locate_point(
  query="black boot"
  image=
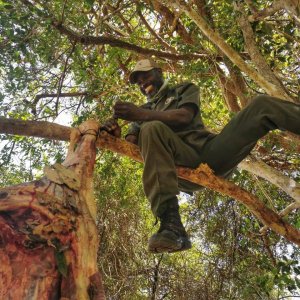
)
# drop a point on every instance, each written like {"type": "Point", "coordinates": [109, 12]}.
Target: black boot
{"type": "Point", "coordinates": [171, 236]}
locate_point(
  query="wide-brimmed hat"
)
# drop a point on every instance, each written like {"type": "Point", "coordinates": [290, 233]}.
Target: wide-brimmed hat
{"type": "Point", "coordinates": [143, 65]}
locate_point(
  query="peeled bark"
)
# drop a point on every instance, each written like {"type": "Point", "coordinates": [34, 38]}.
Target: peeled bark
{"type": "Point", "coordinates": [48, 234]}
{"type": "Point", "coordinates": [202, 176]}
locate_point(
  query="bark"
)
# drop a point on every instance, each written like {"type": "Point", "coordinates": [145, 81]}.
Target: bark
{"type": "Point", "coordinates": [48, 233]}
{"type": "Point", "coordinates": [259, 61]}
{"type": "Point", "coordinates": [113, 42]}
{"type": "Point", "coordinates": [287, 140]}
{"type": "Point", "coordinates": [259, 168]}
{"type": "Point", "coordinates": [291, 6]}
{"type": "Point", "coordinates": [227, 85]}
{"type": "Point", "coordinates": [40, 129]}
{"type": "Point", "coordinates": [202, 176]}
{"type": "Point", "coordinates": [283, 213]}
{"type": "Point", "coordinates": [240, 88]}
{"type": "Point", "coordinates": [170, 18]}
{"type": "Point", "coordinates": [236, 59]}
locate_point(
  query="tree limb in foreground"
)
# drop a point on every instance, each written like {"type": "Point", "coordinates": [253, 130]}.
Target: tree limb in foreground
{"type": "Point", "coordinates": [48, 231]}
{"type": "Point", "coordinates": [202, 175]}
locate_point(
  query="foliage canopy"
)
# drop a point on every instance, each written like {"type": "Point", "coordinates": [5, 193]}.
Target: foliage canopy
{"type": "Point", "coordinates": [68, 61]}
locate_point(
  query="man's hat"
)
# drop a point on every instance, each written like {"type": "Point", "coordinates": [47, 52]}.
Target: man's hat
{"type": "Point", "coordinates": [143, 65]}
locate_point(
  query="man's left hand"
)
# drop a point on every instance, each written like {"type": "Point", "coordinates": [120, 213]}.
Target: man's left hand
{"type": "Point", "coordinates": [126, 111]}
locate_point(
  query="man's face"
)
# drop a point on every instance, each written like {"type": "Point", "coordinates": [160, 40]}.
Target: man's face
{"type": "Point", "coordinates": [150, 82]}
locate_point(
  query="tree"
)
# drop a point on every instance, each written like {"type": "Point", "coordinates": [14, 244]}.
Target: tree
{"type": "Point", "coordinates": [60, 57]}
{"type": "Point", "coordinates": [48, 231]}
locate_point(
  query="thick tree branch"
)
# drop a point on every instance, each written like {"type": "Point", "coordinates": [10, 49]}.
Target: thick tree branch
{"type": "Point", "coordinates": [40, 129]}
{"type": "Point", "coordinates": [113, 42]}
{"type": "Point", "coordinates": [260, 63]}
{"type": "Point", "coordinates": [291, 6]}
{"type": "Point", "coordinates": [171, 20]}
{"type": "Point", "coordinates": [49, 226]}
{"type": "Point", "coordinates": [283, 213]}
{"type": "Point", "coordinates": [227, 87]}
{"type": "Point", "coordinates": [216, 38]}
{"type": "Point", "coordinates": [261, 169]}
{"type": "Point", "coordinates": [202, 176]}
{"type": "Point", "coordinates": [61, 95]}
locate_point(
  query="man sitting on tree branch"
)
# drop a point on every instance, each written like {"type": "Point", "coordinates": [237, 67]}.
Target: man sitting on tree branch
{"type": "Point", "coordinates": [169, 131]}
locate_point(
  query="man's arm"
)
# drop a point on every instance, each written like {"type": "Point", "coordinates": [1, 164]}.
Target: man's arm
{"type": "Point", "coordinates": [173, 118]}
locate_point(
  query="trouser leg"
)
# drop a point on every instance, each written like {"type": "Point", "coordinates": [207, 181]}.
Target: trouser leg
{"type": "Point", "coordinates": [161, 150]}
{"type": "Point", "coordinates": [240, 135]}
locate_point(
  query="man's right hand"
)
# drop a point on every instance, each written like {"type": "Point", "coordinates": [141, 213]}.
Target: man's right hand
{"type": "Point", "coordinates": [112, 127]}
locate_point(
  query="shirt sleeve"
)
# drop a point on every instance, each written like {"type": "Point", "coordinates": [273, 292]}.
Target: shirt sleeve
{"type": "Point", "coordinates": [189, 94]}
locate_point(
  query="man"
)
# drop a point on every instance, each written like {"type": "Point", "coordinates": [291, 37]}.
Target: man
{"type": "Point", "coordinates": [169, 131]}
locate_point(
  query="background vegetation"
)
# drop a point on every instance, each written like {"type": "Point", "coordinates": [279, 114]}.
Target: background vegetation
{"type": "Point", "coordinates": [68, 61]}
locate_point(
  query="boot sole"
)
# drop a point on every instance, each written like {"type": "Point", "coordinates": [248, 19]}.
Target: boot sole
{"type": "Point", "coordinates": [168, 242]}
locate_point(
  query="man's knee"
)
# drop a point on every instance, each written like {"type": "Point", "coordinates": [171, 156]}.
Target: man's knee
{"type": "Point", "coordinates": [152, 127]}
{"type": "Point", "coordinates": [260, 100]}
{"type": "Point", "coordinates": [261, 104]}
{"type": "Point", "coordinates": [264, 101]}
{"type": "Point", "coordinates": [152, 132]}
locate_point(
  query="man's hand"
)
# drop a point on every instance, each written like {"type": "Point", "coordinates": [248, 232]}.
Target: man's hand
{"type": "Point", "coordinates": [131, 138]}
{"type": "Point", "coordinates": [112, 127]}
{"type": "Point", "coordinates": [127, 111]}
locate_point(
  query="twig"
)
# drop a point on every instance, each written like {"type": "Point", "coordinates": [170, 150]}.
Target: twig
{"type": "Point", "coordinates": [63, 12]}
{"type": "Point", "coordinates": [63, 77]}
{"type": "Point", "coordinates": [156, 278]}
{"type": "Point", "coordinates": [9, 155]}
{"type": "Point", "coordinates": [173, 50]}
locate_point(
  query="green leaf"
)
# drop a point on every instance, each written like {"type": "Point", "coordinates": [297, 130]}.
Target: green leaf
{"type": "Point", "coordinates": [89, 3]}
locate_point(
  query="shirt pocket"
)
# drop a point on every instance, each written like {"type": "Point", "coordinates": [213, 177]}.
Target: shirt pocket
{"type": "Point", "coordinates": [171, 102]}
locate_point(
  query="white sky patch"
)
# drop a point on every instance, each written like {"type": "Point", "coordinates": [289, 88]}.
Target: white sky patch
{"type": "Point", "coordinates": [224, 68]}
{"type": "Point", "coordinates": [64, 118]}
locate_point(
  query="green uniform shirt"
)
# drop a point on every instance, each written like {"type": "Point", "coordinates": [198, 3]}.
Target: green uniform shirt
{"type": "Point", "coordinates": [194, 134]}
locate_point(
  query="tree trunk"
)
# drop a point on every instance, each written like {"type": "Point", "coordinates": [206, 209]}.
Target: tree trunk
{"type": "Point", "coordinates": [48, 234]}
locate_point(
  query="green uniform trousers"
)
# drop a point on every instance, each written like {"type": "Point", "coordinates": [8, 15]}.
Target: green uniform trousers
{"type": "Point", "coordinates": [162, 149]}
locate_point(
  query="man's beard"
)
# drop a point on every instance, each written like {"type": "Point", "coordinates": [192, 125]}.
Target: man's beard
{"type": "Point", "coordinates": [152, 88]}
